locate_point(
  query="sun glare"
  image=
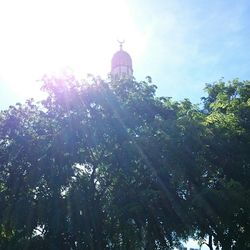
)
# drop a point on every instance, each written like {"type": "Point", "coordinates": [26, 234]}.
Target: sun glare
{"type": "Point", "coordinates": [44, 37]}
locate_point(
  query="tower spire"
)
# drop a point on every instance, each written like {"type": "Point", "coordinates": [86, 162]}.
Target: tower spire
{"type": "Point", "coordinates": [121, 43]}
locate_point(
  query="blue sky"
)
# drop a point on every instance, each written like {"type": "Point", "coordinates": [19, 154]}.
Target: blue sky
{"type": "Point", "coordinates": [180, 44]}
{"type": "Point", "coordinates": [194, 42]}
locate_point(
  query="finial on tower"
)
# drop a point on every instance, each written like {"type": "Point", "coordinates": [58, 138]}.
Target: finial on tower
{"type": "Point", "coordinates": [121, 43]}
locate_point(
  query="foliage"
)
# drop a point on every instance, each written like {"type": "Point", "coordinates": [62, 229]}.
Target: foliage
{"type": "Point", "coordinates": [108, 165]}
{"type": "Point", "coordinates": [224, 200]}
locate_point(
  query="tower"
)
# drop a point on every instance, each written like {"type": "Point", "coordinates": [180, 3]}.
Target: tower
{"type": "Point", "coordinates": [121, 64]}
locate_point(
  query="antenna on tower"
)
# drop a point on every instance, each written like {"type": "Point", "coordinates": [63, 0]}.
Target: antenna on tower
{"type": "Point", "coordinates": [121, 43]}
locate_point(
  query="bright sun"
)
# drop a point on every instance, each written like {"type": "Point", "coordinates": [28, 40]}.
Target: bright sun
{"type": "Point", "coordinates": [44, 37]}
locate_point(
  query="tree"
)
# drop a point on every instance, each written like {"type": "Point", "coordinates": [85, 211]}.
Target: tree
{"type": "Point", "coordinates": [223, 203]}
{"type": "Point", "coordinates": [88, 167]}
{"type": "Point", "coordinates": [110, 165]}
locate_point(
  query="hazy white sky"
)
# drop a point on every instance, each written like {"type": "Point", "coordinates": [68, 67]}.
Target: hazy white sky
{"type": "Point", "coordinates": [51, 36]}
{"type": "Point", "coordinates": [181, 44]}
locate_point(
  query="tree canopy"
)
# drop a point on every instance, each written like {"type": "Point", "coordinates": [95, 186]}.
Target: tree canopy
{"type": "Point", "coordinates": [109, 165]}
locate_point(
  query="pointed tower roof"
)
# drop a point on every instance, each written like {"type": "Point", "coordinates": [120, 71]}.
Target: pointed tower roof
{"type": "Point", "coordinates": [121, 62]}
{"type": "Point", "coordinates": [121, 58]}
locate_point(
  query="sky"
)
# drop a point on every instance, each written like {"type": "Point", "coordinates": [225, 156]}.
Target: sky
{"type": "Point", "coordinates": [181, 44]}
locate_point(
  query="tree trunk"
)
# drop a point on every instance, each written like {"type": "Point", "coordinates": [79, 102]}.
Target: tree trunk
{"type": "Point", "coordinates": [210, 242]}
